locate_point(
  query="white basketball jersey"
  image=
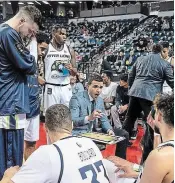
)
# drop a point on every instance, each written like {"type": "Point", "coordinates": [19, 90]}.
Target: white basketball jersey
{"type": "Point", "coordinates": [82, 161]}
{"type": "Point", "coordinates": [55, 72]}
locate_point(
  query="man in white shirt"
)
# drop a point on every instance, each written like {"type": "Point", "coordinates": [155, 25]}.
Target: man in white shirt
{"type": "Point", "coordinates": [108, 93]}
{"type": "Point", "coordinates": [68, 159]}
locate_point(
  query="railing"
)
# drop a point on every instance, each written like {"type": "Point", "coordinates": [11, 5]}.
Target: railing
{"type": "Point", "coordinates": [123, 10]}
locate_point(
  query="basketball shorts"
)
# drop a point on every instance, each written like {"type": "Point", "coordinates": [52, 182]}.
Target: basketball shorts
{"type": "Point", "coordinates": [57, 95]}
{"type": "Point", "coordinates": [31, 131]}
{"type": "Point", "coordinates": [11, 148]}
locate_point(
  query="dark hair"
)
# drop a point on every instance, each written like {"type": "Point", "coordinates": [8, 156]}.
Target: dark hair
{"type": "Point", "coordinates": [122, 50]}
{"type": "Point", "coordinates": [57, 27]}
{"type": "Point", "coordinates": [157, 48]}
{"type": "Point", "coordinates": [165, 45]}
{"type": "Point", "coordinates": [108, 74]}
{"type": "Point", "coordinates": [32, 12]}
{"type": "Point", "coordinates": [165, 103]}
{"type": "Point", "coordinates": [42, 37]}
{"type": "Point", "coordinates": [58, 118]}
{"type": "Point", "coordinates": [95, 77]}
{"type": "Point", "coordinates": [124, 77]}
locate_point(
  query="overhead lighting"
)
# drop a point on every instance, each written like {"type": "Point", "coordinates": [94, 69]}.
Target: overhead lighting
{"type": "Point", "coordinates": [80, 2]}
{"type": "Point", "coordinates": [37, 2]}
{"type": "Point", "coordinates": [71, 2]}
{"type": "Point", "coordinates": [20, 3]}
{"type": "Point", "coordinates": [45, 2]}
{"type": "Point", "coordinates": [60, 2]}
{"type": "Point", "coordinates": [1, 5]}
{"type": "Point", "coordinates": [30, 3]}
{"type": "Point", "coordinates": [96, 1]}
{"type": "Point", "coordinates": [9, 3]}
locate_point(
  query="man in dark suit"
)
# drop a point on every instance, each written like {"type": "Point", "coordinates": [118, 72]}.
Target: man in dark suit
{"type": "Point", "coordinates": [145, 81]}
{"type": "Point", "coordinates": [88, 111]}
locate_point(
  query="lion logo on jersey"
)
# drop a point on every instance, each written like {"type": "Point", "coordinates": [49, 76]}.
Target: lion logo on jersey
{"type": "Point", "coordinates": [58, 69]}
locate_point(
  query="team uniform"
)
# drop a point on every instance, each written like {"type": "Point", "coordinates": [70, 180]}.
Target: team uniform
{"type": "Point", "coordinates": [31, 131]}
{"type": "Point", "coordinates": [70, 160]}
{"type": "Point", "coordinates": [15, 63]}
{"type": "Point", "coordinates": [57, 88]}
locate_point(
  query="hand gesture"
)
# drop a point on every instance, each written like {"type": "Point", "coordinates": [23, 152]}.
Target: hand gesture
{"type": "Point", "coordinates": [96, 114]}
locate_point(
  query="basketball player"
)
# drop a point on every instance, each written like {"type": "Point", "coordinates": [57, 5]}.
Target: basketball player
{"type": "Point", "coordinates": [159, 166]}
{"type": "Point", "coordinates": [59, 64]}
{"type": "Point", "coordinates": [16, 63]}
{"type": "Point", "coordinates": [36, 48]}
{"type": "Point", "coordinates": [69, 159]}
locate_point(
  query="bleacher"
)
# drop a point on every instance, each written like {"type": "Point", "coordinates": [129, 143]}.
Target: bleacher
{"type": "Point", "coordinates": [151, 28]}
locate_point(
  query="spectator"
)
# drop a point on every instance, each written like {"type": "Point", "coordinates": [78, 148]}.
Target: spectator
{"type": "Point", "coordinates": [108, 92]}
{"type": "Point", "coordinates": [165, 25]}
{"type": "Point", "coordinates": [61, 14]}
{"type": "Point", "coordinates": [71, 13]}
{"type": "Point", "coordinates": [16, 63]}
{"type": "Point", "coordinates": [106, 65]}
{"type": "Point", "coordinates": [121, 57]}
{"type": "Point", "coordinates": [165, 52]}
{"type": "Point", "coordinates": [131, 59]}
{"type": "Point", "coordinates": [150, 45]}
{"type": "Point", "coordinates": [122, 100]}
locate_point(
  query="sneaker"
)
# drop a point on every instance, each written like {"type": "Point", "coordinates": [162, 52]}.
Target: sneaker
{"type": "Point", "coordinates": [134, 135]}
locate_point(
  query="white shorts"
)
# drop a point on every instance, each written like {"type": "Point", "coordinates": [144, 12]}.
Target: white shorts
{"type": "Point", "coordinates": [31, 131]}
{"type": "Point", "coordinates": [57, 95]}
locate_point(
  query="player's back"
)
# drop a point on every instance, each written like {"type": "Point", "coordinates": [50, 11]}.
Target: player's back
{"type": "Point", "coordinates": [82, 161]}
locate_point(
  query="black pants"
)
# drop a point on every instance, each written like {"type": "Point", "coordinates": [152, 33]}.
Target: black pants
{"type": "Point", "coordinates": [121, 146]}
{"type": "Point", "coordinates": [136, 106]}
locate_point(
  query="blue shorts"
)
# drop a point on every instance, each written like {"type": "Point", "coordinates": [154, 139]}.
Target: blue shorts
{"type": "Point", "coordinates": [11, 149]}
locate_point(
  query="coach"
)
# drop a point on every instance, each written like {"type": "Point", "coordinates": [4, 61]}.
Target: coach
{"type": "Point", "coordinates": [88, 112]}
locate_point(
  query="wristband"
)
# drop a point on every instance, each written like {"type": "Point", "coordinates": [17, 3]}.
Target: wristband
{"type": "Point", "coordinates": [136, 167]}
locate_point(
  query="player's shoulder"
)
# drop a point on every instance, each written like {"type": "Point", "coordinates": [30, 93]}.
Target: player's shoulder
{"type": "Point", "coordinates": [6, 31]}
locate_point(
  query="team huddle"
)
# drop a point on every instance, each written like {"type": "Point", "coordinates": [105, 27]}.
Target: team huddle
{"type": "Point", "coordinates": [36, 71]}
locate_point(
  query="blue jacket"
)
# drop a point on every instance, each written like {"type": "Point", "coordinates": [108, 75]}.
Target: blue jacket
{"type": "Point", "coordinates": [15, 63]}
{"type": "Point", "coordinates": [80, 107]}
{"type": "Point", "coordinates": [148, 75]}
{"type": "Point", "coordinates": [33, 96]}
{"type": "Point", "coordinates": [78, 87]}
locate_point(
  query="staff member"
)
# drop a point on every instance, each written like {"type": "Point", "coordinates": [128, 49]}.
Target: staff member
{"type": "Point", "coordinates": [145, 81]}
